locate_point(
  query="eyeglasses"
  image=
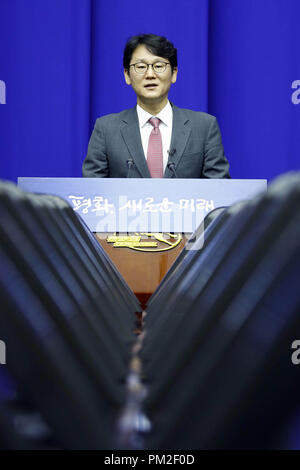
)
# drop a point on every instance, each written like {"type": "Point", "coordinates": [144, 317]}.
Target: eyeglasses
{"type": "Point", "coordinates": [141, 67]}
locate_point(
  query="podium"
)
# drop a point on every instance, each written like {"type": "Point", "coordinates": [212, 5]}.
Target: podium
{"type": "Point", "coordinates": [143, 224]}
{"type": "Point", "coordinates": [142, 270]}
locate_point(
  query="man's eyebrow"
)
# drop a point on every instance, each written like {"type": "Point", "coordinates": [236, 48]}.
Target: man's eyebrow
{"type": "Point", "coordinates": [158, 59]}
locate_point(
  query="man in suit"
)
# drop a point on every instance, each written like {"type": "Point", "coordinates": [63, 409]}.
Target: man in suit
{"type": "Point", "coordinates": [155, 138]}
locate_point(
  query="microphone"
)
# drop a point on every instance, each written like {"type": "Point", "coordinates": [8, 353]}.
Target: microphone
{"type": "Point", "coordinates": [171, 152]}
{"type": "Point", "coordinates": [130, 165]}
{"type": "Point", "coordinates": [171, 165]}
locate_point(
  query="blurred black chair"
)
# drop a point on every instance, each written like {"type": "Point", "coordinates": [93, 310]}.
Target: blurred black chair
{"type": "Point", "coordinates": [62, 320]}
{"type": "Point", "coordinates": [198, 393]}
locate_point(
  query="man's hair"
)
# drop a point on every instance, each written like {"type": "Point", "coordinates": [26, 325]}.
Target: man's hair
{"type": "Point", "coordinates": [157, 45]}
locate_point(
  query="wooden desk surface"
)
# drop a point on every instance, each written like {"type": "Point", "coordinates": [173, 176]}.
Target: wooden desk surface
{"type": "Point", "coordinates": [143, 271]}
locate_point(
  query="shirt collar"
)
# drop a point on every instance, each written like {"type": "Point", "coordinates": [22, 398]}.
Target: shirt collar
{"type": "Point", "coordinates": [165, 115]}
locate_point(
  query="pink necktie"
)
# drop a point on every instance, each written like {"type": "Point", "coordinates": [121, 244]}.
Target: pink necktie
{"type": "Point", "coordinates": [155, 152]}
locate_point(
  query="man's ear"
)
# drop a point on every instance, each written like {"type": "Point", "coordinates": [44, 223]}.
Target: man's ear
{"type": "Point", "coordinates": [127, 77]}
{"type": "Point", "coordinates": [174, 75]}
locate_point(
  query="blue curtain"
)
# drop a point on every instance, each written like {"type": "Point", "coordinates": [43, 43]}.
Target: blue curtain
{"type": "Point", "coordinates": [61, 67]}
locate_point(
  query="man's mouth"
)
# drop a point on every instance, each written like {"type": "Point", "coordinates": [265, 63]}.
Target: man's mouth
{"type": "Point", "coordinates": [151, 85]}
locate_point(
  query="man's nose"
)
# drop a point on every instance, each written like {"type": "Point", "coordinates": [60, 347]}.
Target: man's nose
{"type": "Point", "coordinates": [150, 72]}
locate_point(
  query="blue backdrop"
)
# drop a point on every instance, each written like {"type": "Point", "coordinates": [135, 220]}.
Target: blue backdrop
{"type": "Point", "coordinates": [61, 67]}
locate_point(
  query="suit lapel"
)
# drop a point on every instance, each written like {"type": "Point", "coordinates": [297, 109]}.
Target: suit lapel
{"type": "Point", "coordinates": [180, 133]}
{"type": "Point", "coordinates": [132, 137]}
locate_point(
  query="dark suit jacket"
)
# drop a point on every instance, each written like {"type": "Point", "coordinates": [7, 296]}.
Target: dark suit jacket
{"type": "Point", "coordinates": [115, 149]}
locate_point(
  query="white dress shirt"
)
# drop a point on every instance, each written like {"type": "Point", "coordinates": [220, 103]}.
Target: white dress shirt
{"type": "Point", "coordinates": [165, 127]}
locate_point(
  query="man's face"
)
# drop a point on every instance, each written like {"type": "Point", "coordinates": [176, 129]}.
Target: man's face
{"type": "Point", "coordinates": [150, 87]}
